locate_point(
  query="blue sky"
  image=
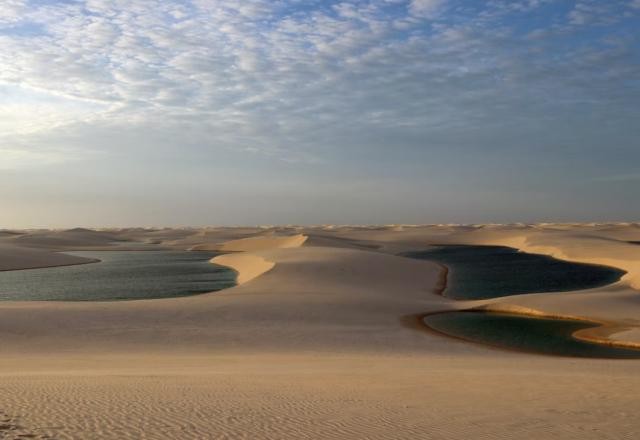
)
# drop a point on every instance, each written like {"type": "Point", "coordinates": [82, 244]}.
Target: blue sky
{"type": "Point", "coordinates": [196, 112]}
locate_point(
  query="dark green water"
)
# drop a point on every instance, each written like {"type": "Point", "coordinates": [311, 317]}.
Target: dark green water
{"type": "Point", "coordinates": [481, 272]}
{"type": "Point", "coordinates": [523, 333]}
{"type": "Point", "coordinates": [120, 275]}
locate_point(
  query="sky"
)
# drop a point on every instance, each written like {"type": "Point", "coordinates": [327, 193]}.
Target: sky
{"type": "Point", "coordinates": [245, 112]}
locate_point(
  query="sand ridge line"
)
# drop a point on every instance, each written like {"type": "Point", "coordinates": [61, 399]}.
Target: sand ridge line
{"type": "Point", "coordinates": [248, 265]}
{"type": "Point", "coordinates": [255, 243]}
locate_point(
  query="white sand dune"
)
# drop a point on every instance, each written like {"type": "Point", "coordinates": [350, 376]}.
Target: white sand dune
{"type": "Point", "coordinates": [317, 341]}
{"type": "Point", "coordinates": [248, 266]}
{"type": "Point", "coordinates": [258, 243]}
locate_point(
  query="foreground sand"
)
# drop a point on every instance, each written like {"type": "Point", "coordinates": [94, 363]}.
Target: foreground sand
{"type": "Point", "coordinates": [327, 396]}
{"type": "Point", "coordinates": [320, 341]}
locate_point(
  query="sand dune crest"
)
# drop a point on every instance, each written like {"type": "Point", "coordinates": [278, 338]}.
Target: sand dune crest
{"type": "Point", "coordinates": [248, 266]}
{"type": "Point", "coordinates": [263, 243]}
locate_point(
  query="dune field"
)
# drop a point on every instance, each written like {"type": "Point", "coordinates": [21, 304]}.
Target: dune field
{"type": "Point", "coordinates": [321, 338]}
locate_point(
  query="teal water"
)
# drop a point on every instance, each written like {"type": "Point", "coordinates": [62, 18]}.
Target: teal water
{"type": "Point", "coordinates": [524, 333]}
{"type": "Point", "coordinates": [481, 272]}
{"type": "Point", "coordinates": [120, 275]}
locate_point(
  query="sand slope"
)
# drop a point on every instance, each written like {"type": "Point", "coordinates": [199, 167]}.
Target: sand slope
{"type": "Point", "coordinates": [69, 239]}
{"type": "Point", "coordinates": [14, 257]}
{"type": "Point", "coordinates": [255, 243]}
{"type": "Point", "coordinates": [248, 266]}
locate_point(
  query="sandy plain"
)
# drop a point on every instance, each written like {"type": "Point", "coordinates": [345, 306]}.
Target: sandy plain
{"type": "Point", "coordinates": [318, 340]}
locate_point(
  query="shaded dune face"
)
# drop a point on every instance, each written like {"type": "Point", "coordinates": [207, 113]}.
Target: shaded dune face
{"type": "Point", "coordinates": [483, 272]}
{"type": "Point", "coordinates": [525, 333]}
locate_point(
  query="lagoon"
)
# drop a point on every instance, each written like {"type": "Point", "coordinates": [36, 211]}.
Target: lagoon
{"type": "Point", "coordinates": [119, 275]}
{"type": "Point", "coordinates": [525, 333]}
{"type": "Point", "coordinates": [482, 272]}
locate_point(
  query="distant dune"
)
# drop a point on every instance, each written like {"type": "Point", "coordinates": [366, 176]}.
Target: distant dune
{"type": "Point", "coordinates": [12, 258]}
{"type": "Point", "coordinates": [256, 243]}
{"type": "Point", "coordinates": [70, 239]}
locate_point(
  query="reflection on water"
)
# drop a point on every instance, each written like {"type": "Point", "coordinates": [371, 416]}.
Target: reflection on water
{"type": "Point", "coordinates": [524, 333]}
{"type": "Point", "coordinates": [120, 275]}
{"type": "Point", "coordinates": [480, 272]}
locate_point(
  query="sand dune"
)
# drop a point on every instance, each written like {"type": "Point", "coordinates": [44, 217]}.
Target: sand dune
{"type": "Point", "coordinates": [13, 258]}
{"type": "Point", "coordinates": [248, 266]}
{"type": "Point", "coordinates": [316, 341]}
{"type": "Point", "coordinates": [6, 233]}
{"type": "Point", "coordinates": [261, 243]}
{"type": "Point", "coordinates": [66, 240]}
{"type": "Point", "coordinates": [258, 243]}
